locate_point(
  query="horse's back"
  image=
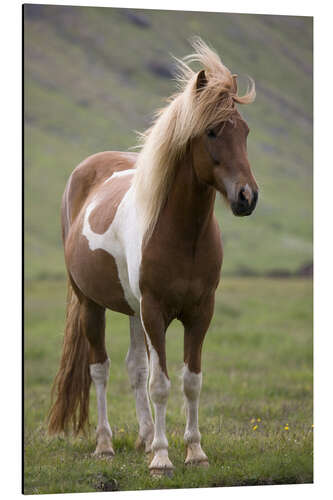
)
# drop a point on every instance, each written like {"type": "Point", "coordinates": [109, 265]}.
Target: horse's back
{"type": "Point", "coordinates": [87, 177]}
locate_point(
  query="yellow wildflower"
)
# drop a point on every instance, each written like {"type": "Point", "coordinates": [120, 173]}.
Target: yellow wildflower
{"type": "Point", "coordinates": [286, 427]}
{"type": "Point", "coordinates": [258, 419]}
{"type": "Point", "coordinates": [255, 427]}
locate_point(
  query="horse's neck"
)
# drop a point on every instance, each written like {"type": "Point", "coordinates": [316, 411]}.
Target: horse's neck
{"type": "Point", "coordinates": [190, 203]}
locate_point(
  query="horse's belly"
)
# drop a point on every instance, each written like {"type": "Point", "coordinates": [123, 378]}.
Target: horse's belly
{"type": "Point", "coordinates": [96, 274]}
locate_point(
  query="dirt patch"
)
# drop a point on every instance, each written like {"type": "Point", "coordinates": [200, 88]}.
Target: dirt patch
{"type": "Point", "coordinates": [104, 483]}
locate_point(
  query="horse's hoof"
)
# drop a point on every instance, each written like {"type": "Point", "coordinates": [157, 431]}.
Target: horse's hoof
{"type": "Point", "coordinates": [161, 464]}
{"type": "Point", "coordinates": [104, 455]}
{"type": "Point", "coordinates": [109, 454]}
{"type": "Point", "coordinates": [196, 456]}
{"type": "Point", "coordinates": [161, 472]}
{"type": "Point", "coordinates": [197, 463]}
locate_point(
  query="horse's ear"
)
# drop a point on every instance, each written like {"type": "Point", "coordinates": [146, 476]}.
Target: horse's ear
{"type": "Point", "coordinates": [234, 84]}
{"type": "Point", "coordinates": [201, 80]}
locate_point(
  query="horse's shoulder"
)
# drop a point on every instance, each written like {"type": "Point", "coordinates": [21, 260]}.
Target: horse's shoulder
{"type": "Point", "coordinates": [107, 199]}
{"type": "Point", "coordinates": [91, 173]}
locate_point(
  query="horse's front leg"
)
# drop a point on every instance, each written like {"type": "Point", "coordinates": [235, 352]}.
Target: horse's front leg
{"type": "Point", "coordinates": [195, 329]}
{"type": "Point", "coordinates": [159, 383]}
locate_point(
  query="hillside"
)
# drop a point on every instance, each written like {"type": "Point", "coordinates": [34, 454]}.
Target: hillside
{"type": "Point", "coordinates": [93, 76]}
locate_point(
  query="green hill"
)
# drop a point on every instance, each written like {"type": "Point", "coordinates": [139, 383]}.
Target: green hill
{"type": "Point", "coordinates": [93, 76]}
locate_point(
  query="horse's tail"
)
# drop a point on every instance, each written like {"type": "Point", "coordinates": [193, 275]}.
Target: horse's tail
{"type": "Point", "coordinates": [72, 383]}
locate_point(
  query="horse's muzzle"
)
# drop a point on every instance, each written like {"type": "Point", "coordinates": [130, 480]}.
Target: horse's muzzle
{"type": "Point", "coordinates": [243, 206]}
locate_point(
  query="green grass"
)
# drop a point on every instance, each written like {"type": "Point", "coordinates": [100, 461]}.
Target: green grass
{"type": "Point", "coordinates": [257, 364]}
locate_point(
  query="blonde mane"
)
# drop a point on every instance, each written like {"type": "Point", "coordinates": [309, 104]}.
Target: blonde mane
{"type": "Point", "coordinates": [188, 114]}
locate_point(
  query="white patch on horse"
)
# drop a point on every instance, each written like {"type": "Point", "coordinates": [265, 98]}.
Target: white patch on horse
{"type": "Point", "coordinates": [123, 241]}
{"type": "Point", "coordinates": [191, 387]}
{"type": "Point", "coordinates": [138, 371]}
{"type": "Point", "coordinates": [121, 173]}
{"type": "Point", "coordinates": [159, 388]}
{"type": "Point", "coordinates": [230, 186]}
{"type": "Point", "coordinates": [100, 373]}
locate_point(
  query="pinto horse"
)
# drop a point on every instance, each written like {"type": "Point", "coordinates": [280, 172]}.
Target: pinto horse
{"type": "Point", "coordinates": [141, 238]}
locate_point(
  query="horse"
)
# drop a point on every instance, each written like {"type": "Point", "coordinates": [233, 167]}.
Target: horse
{"type": "Point", "coordinates": [141, 238]}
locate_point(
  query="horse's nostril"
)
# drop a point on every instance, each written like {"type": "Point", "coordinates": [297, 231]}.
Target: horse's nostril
{"type": "Point", "coordinates": [241, 195]}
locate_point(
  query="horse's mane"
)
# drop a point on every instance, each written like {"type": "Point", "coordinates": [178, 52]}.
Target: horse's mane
{"type": "Point", "coordinates": [187, 115]}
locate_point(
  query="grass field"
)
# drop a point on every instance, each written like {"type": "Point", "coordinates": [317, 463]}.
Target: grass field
{"type": "Point", "coordinates": [257, 380]}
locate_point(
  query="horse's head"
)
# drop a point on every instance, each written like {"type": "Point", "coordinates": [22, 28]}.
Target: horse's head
{"type": "Point", "coordinates": [220, 156]}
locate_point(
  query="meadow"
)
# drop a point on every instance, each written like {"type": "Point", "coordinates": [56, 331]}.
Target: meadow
{"type": "Point", "coordinates": [256, 401]}
{"type": "Point", "coordinates": [92, 78]}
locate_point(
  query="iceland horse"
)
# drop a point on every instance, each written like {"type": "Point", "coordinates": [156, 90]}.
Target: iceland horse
{"type": "Point", "coordinates": [141, 238]}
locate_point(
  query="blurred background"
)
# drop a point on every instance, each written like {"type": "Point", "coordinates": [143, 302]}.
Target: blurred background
{"type": "Point", "coordinates": [94, 76]}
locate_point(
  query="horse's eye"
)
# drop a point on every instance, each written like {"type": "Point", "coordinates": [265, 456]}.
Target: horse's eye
{"type": "Point", "coordinates": [210, 133]}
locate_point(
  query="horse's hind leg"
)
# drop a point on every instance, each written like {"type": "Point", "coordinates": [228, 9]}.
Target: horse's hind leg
{"type": "Point", "coordinates": [138, 371]}
{"type": "Point", "coordinates": [92, 317]}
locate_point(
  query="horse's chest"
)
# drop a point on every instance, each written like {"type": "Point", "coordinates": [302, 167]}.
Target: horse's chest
{"type": "Point", "coordinates": [179, 276]}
